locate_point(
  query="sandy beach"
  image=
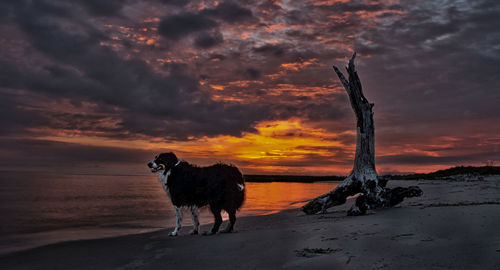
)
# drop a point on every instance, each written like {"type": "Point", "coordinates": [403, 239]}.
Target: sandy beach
{"type": "Point", "coordinates": [454, 225]}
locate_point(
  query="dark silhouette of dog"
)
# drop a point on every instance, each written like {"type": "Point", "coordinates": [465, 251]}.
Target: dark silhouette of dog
{"type": "Point", "coordinates": [219, 186]}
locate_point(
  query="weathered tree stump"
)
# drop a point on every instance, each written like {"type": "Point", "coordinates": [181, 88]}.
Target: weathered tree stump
{"type": "Point", "coordinates": [363, 179]}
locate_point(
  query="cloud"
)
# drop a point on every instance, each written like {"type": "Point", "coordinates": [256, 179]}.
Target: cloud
{"type": "Point", "coordinates": [172, 106]}
{"type": "Point", "coordinates": [14, 120]}
{"type": "Point", "coordinates": [253, 73]}
{"type": "Point", "coordinates": [229, 12]}
{"type": "Point", "coordinates": [208, 40]}
{"type": "Point", "coordinates": [63, 8]}
{"type": "Point", "coordinates": [178, 26]}
{"type": "Point", "coordinates": [276, 50]}
{"type": "Point", "coordinates": [427, 66]}
{"type": "Point", "coordinates": [181, 25]}
{"type": "Point", "coordinates": [103, 8]}
{"type": "Point", "coordinates": [442, 42]}
{"type": "Point", "coordinates": [342, 7]}
{"type": "Point", "coordinates": [174, 2]}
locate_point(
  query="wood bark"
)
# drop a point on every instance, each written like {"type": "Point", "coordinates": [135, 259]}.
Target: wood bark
{"type": "Point", "coordinates": [363, 179]}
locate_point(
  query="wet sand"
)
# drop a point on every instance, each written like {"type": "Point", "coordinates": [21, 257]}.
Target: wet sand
{"type": "Point", "coordinates": [454, 225]}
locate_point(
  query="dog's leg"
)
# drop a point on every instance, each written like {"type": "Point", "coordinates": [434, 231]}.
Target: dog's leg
{"type": "Point", "coordinates": [232, 220]}
{"type": "Point", "coordinates": [217, 221]}
{"type": "Point", "coordinates": [178, 221]}
{"type": "Point", "coordinates": [196, 223]}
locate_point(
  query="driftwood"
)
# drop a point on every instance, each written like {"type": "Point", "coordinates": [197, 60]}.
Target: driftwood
{"type": "Point", "coordinates": [363, 179]}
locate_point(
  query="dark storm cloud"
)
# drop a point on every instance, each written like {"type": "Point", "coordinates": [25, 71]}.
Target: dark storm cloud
{"type": "Point", "coordinates": [208, 40]}
{"type": "Point", "coordinates": [253, 73]}
{"type": "Point", "coordinates": [178, 26]}
{"type": "Point", "coordinates": [276, 50]}
{"type": "Point", "coordinates": [217, 56]}
{"type": "Point", "coordinates": [229, 12]}
{"type": "Point", "coordinates": [105, 78]}
{"type": "Point", "coordinates": [9, 74]}
{"type": "Point", "coordinates": [438, 56]}
{"type": "Point", "coordinates": [318, 111]}
{"type": "Point", "coordinates": [103, 8]}
{"type": "Point", "coordinates": [296, 17]}
{"type": "Point", "coordinates": [342, 7]}
{"type": "Point", "coordinates": [63, 8]}
{"type": "Point", "coordinates": [300, 35]}
{"type": "Point", "coordinates": [173, 2]}
{"type": "Point", "coordinates": [14, 119]}
{"type": "Point", "coordinates": [48, 7]}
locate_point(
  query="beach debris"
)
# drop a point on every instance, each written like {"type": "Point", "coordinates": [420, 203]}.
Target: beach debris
{"type": "Point", "coordinates": [312, 252]}
{"type": "Point", "coordinates": [329, 239]}
{"type": "Point", "coordinates": [363, 179]}
{"type": "Point", "coordinates": [399, 236]}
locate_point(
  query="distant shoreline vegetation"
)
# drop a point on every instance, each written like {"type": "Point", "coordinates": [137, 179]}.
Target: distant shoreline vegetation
{"type": "Point", "coordinates": [447, 174]}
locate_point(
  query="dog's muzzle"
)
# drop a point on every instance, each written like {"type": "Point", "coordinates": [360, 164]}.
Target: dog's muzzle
{"type": "Point", "coordinates": [155, 167]}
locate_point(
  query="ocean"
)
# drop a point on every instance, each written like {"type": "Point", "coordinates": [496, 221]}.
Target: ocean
{"type": "Point", "coordinates": [40, 208]}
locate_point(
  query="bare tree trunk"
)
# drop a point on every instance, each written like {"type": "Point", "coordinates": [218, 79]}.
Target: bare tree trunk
{"type": "Point", "coordinates": [363, 179]}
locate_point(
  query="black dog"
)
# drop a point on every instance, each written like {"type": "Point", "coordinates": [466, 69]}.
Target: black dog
{"type": "Point", "coordinates": [220, 186]}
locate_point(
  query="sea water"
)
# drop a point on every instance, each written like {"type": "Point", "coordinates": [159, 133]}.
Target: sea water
{"type": "Point", "coordinates": [40, 208]}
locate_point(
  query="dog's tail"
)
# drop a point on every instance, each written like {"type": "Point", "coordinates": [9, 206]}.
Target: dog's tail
{"type": "Point", "coordinates": [239, 181]}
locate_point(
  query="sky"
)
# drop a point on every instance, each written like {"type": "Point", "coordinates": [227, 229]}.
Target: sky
{"type": "Point", "coordinates": [104, 86]}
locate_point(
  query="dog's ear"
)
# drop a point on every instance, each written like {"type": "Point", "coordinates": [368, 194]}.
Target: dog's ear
{"type": "Point", "coordinates": [170, 159]}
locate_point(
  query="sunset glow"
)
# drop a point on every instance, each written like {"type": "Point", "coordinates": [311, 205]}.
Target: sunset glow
{"type": "Point", "coordinates": [262, 151]}
{"type": "Point", "coordinates": [246, 83]}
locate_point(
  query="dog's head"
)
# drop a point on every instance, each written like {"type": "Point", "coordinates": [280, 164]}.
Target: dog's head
{"type": "Point", "coordinates": [164, 161]}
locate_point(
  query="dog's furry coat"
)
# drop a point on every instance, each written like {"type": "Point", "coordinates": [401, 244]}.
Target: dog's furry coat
{"type": "Point", "coordinates": [220, 186]}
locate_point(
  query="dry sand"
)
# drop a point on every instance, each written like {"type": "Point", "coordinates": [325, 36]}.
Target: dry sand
{"type": "Point", "coordinates": [454, 225]}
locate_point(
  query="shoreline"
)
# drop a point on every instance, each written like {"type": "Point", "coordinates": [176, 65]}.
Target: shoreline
{"type": "Point", "coordinates": [65, 235]}
{"type": "Point", "coordinates": [438, 230]}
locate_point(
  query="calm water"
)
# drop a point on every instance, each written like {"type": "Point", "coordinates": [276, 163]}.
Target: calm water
{"type": "Point", "coordinates": [42, 208]}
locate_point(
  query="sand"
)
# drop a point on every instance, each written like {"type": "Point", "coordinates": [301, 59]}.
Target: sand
{"type": "Point", "coordinates": [454, 225]}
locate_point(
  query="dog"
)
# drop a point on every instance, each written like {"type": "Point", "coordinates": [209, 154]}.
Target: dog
{"type": "Point", "coordinates": [219, 186]}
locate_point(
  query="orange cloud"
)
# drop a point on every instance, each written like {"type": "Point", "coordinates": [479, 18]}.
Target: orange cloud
{"type": "Point", "coordinates": [294, 90]}
{"type": "Point", "coordinates": [296, 66]}
{"type": "Point", "coordinates": [227, 98]}
{"type": "Point", "coordinates": [329, 2]}
{"type": "Point", "coordinates": [278, 26]}
{"type": "Point", "coordinates": [217, 87]}
{"type": "Point", "coordinates": [244, 83]}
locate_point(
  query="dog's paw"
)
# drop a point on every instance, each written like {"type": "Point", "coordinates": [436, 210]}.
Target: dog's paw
{"type": "Point", "coordinates": [174, 233]}
{"type": "Point", "coordinates": [208, 233]}
{"type": "Point", "coordinates": [193, 232]}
